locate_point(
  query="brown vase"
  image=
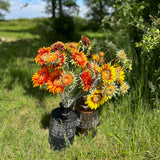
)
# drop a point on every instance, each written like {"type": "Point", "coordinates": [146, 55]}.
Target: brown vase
{"type": "Point", "coordinates": [87, 119]}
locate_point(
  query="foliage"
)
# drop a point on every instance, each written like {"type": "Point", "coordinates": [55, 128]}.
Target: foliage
{"type": "Point", "coordinates": [97, 10]}
{"type": "Point", "coordinates": [142, 24]}
{"type": "Point", "coordinates": [4, 5]}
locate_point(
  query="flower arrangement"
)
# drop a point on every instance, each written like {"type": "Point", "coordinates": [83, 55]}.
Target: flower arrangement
{"type": "Point", "coordinates": [73, 70]}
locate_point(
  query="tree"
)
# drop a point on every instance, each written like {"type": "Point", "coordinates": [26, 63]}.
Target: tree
{"type": "Point", "coordinates": [59, 8]}
{"type": "Point", "coordinates": [97, 9]}
{"type": "Point", "coordinates": [4, 5]}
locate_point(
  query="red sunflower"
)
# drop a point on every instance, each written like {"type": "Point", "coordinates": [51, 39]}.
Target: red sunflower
{"type": "Point", "coordinates": [54, 83]}
{"type": "Point", "coordinates": [80, 59]}
{"type": "Point", "coordinates": [87, 80]}
{"type": "Point", "coordinates": [42, 51]}
{"type": "Point", "coordinates": [41, 77]}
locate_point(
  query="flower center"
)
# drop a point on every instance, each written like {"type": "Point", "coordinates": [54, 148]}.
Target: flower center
{"type": "Point", "coordinates": [96, 97]}
{"type": "Point", "coordinates": [106, 74]}
{"type": "Point", "coordinates": [109, 90]}
{"type": "Point", "coordinates": [124, 88]}
{"type": "Point", "coordinates": [67, 79]}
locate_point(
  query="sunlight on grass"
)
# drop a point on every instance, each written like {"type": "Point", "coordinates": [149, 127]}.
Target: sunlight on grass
{"type": "Point", "coordinates": [126, 130]}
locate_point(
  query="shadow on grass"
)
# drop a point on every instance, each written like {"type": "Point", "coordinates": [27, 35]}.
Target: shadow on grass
{"type": "Point", "coordinates": [45, 121]}
{"type": "Point", "coordinates": [17, 66]}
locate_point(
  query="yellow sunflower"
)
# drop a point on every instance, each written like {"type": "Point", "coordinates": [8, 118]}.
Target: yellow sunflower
{"type": "Point", "coordinates": [108, 73]}
{"type": "Point", "coordinates": [124, 88]}
{"type": "Point", "coordinates": [96, 99]}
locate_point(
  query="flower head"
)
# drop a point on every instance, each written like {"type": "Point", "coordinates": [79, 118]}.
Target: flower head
{"type": "Point", "coordinates": [58, 46]}
{"type": "Point", "coordinates": [41, 52]}
{"type": "Point", "coordinates": [55, 86]}
{"type": "Point", "coordinates": [121, 55]}
{"type": "Point", "coordinates": [124, 88]}
{"type": "Point", "coordinates": [110, 90]}
{"type": "Point", "coordinates": [80, 59]}
{"type": "Point", "coordinates": [87, 80]}
{"type": "Point", "coordinates": [41, 77]}
{"type": "Point", "coordinates": [108, 73]}
{"type": "Point", "coordinates": [85, 41]}
{"type": "Point", "coordinates": [120, 73]}
{"type": "Point", "coordinates": [67, 79]}
{"type": "Point", "coordinates": [95, 99]}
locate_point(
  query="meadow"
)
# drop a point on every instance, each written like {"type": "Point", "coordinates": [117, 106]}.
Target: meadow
{"type": "Point", "coordinates": [129, 128]}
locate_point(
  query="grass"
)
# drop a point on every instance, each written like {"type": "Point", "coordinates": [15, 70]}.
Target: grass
{"type": "Point", "coordinates": [127, 130]}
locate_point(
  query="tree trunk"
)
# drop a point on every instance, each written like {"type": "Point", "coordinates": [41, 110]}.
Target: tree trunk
{"type": "Point", "coordinates": [60, 8]}
{"type": "Point", "coordinates": [53, 2]}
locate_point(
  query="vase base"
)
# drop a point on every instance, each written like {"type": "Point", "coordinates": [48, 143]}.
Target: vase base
{"type": "Point", "coordinates": [85, 132]}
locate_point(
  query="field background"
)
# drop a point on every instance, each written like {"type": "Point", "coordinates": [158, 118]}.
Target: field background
{"type": "Point", "coordinates": [128, 127]}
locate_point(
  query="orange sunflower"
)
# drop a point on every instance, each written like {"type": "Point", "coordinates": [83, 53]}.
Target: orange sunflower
{"type": "Point", "coordinates": [108, 73]}
{"type": "Point", "coordinates": [41, 52]}
{"type": "Point", "coordinates": [55, 86]}
{"type": "Point", "coordinates": [41, 77]}
{"type": "Point", "coordinates": [80, 59]}
{"type": "Point", "coordinates": [87, 80]}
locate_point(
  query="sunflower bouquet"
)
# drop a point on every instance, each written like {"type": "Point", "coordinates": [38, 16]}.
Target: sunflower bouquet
{"type": "Point", "coordinates": [73, 70]}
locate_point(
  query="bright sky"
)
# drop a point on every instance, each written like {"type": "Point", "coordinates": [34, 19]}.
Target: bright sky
{"type": "Point", "coordinates": [36, 8]}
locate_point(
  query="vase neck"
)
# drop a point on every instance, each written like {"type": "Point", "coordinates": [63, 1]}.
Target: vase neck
{"type": "Point", "coordinates": [64, 109]}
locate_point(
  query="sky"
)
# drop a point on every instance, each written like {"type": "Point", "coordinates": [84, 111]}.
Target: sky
{"type": "Point", "coordinates": [36, 8]}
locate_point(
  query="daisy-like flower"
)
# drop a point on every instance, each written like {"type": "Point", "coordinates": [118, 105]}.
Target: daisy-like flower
{"type": "Point", "coordinates": [55, 86]}
{"type": "Point", "coordinates": [80, 59]}
{"type": "Point", "coordinates": [67, 79]}
{"type": "Point", "coordinates": [41, 52]}
{"type": "Point", "coordinates": [110, 90]}
{"type": "Point", "coordinates": [121, 55]}
{"type": "Point", "coordinates": [108, 73]}
{"type": "Point", "coordinates": [58, 46]}
{"type": "Point", "coordinates": [96, 68]}
{"type": "Point", "coordinates": [95, 99]}
{"type": "Point", "coordinates": [41, 77]}
{"type": "Point", "coordinates": [124, 88]}
{"type": "Point", "coordinates": [87, 80]}
{"type": "Point", "coordinates": [85, 41]}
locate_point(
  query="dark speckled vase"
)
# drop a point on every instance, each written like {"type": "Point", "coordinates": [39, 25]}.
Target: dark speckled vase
{"type": "Point", "coordinates": [62, 127]}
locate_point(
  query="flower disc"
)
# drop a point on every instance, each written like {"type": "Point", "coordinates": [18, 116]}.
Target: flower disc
{"type": "Point", "coordinates": [67, 79]}
{"type": "Point", "coordinates": [108, 73]}
{"type": "Point", "coordinates": [124, 88]}
{"type": "Point", "coordinates": [96, 99]}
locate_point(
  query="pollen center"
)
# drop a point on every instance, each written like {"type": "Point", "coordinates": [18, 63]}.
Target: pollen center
{"type": "Point", "coordinates": [106, 74]}
{"type": "Point", "coordinates": [109, 90]}
{"type": "Point", "coordinates": [96, 97]}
